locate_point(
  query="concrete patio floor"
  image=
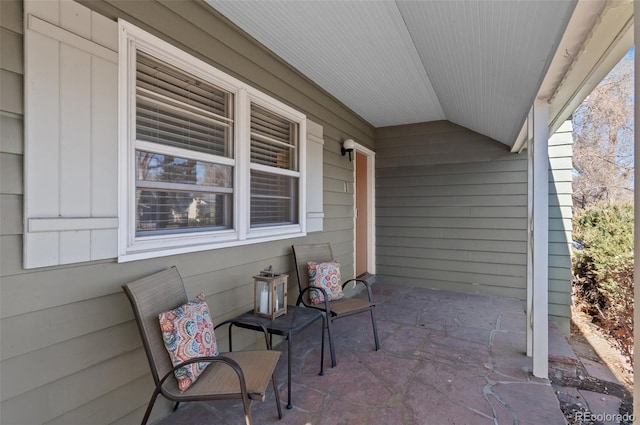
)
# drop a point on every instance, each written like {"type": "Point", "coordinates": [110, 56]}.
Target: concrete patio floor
{"type": "Point", "coordinates": [445, 358]}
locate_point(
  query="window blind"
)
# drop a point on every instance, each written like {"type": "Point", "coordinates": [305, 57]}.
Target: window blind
{"type": "Point", "coordinates": [176, 109]}
{"type": "Point", "coordinates": [273, 139]}
{"type": "Point", "coordinates": [274, 199]}
{"type": "Point", "coordinates": [274, 144]}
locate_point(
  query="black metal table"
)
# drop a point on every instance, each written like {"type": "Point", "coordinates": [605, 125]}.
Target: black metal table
{"type": "Point", "coordinates": [296, 320]}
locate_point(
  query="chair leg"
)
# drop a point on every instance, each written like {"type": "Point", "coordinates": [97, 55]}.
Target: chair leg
{"type": "Point", "coordinates": [375, 328]}
{"type": "Point", "coordinates": [150, 407]}
{"type": "Point", "coordinates": [247, 409]}
{"type": "Point", "coordinates": [322, 346]}
{"type": "Point", "coordinates": [332, 348]}
{"type": "Point", "coordinates": [277, 394]}
{"type": "Point", "coordinates": [176, 406]}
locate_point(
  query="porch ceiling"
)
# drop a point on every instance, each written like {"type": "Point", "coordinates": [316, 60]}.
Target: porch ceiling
{"type": "Point", "coordinates": [478, 64]}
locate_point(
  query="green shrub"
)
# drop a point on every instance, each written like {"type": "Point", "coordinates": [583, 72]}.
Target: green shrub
{"type": "Point", "coordinates": [603, 269]}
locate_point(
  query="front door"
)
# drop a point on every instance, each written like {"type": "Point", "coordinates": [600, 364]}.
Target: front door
{"type": "Point", "coordinates": [362, 213]}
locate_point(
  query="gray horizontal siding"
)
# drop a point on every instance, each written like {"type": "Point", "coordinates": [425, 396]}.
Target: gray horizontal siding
{"type": "Point", "coordinates": [560, 213]}
{"type": "Point", "coordinates": [11, 100]}
{"type": "Point", "coordinates": [83, 361]}
{"type": "Point", "coordinates": [451, 210]}
{"type": "Point", "coordinates": [11, 133]}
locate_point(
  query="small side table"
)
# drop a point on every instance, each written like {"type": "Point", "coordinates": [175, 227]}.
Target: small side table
{"type": "Point", "coordinates": [296, 320]}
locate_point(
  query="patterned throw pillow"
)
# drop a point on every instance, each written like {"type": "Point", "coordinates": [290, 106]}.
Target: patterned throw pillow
{"type": "Point", "coordinates": [327, 276]}
{"type": "Point", "coordinates": [187, 332]}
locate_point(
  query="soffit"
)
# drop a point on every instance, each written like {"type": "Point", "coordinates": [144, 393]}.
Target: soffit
{"type": "Point", "coordinates": [478, 64]}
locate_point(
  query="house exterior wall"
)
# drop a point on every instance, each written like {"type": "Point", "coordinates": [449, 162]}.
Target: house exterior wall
{"type": "Point", "coordinates": [451, 210]}
{"type": "Point", "coordinates": [452, 213]}
{"type": "Point", "coordinates": [560, 227]}
{"type": "Point", "coordinates": [70, 351]}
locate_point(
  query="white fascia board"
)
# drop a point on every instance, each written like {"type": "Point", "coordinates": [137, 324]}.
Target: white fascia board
{"type": "Point", "coordinates": [598, 35]}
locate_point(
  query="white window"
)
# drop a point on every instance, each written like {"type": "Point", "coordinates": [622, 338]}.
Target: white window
{"type": "Point", "coordinates": [206, 161]}
{"type": "Point", "coordinates": [274, 169]}
{"type": "Point", "coordinates": [183, 151]}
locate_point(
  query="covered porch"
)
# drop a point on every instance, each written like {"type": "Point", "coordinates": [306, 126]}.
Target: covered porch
{"type": "Point", "coordinates": [445, 358]}
{"type": "Point", "coordinates": [453, 195]}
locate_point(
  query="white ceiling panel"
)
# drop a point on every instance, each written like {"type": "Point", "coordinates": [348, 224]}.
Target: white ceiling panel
{"type": "Point", "coordinates": [360, 52]}
{"type": "Point", "coordinates": [486, 59]}
{"type": "Point", "coordinates": [477, 63]}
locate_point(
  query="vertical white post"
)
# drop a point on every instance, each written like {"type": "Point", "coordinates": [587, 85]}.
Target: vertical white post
{"type": "Point", "coordinates": [636, 226]}
{"type": "Point", "coordinates": [540, 308]}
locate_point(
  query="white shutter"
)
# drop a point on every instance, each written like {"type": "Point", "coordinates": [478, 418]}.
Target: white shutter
{"type": "Point", "coordinates": [71, 130]}
{"type": "Point", "coordinates": [314, 161]}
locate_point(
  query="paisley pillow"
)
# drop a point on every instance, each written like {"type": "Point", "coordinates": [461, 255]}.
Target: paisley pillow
{"type": "Point", "coordinates": [327, 276]}
{"type": "Point", "coordinates": [187, 332]}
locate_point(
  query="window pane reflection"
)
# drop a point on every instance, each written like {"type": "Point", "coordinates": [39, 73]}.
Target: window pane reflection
{"type": "Point", "coordinates": [166, 168]}
{"type": "Point", "coordinates": [179, 194]}
{"type": "Point", "coordinates": [166, 211]}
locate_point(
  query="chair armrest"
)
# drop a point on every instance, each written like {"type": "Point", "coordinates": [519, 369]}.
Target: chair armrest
{"type": "Point", "coordinates": [217, 359]}
{"type": "Point", "coordinates": [326, 299]}
{"type": "Point", "coordinates": [365, 283]}
{"type": "Point", "coordinates": [232, 322]}
{"type": "Point", "coordinates": [300, 299]}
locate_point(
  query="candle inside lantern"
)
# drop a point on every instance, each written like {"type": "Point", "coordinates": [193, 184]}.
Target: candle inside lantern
{"type": "Point", "coordinates": [264, 300]}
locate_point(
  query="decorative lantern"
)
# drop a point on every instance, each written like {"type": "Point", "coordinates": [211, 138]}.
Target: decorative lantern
{"type": "Point", "coordinates": [270, 294]}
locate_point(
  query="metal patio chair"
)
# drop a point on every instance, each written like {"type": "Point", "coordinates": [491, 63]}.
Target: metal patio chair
{"type": "Point", "coordinates": [333, 310]}
{"type": "Point", "coordinates": [241, 375]}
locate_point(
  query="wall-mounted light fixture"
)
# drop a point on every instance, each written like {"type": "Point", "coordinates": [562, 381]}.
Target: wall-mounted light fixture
{"type": "Point", "coordinates": [347, 147]}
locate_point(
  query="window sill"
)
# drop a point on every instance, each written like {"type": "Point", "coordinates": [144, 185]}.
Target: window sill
{"type": "Point", "coordinates": [143, 251]}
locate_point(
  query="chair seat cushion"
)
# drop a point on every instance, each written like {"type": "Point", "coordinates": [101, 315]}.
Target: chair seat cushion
{"type": "Point", "coordinates": [187, 332]}
{"type": "Point", "coordinates": [220, 379]}
{"type": "Point", "coordinates": [327, 276]}
{"type": "Point", "coordinates": [347, 306]}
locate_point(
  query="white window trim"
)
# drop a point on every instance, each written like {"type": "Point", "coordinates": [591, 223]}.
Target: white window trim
{"type": "Point", "coordinates": [132, 248]}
